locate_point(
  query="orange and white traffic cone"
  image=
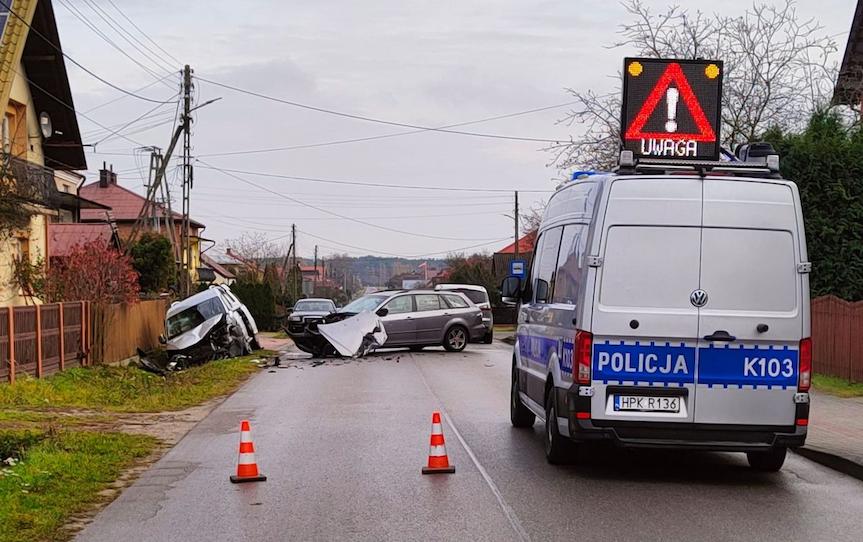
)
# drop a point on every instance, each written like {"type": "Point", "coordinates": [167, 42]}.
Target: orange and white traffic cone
{"type": "Point", "coordinates": [438, 460]}
{"type": "Point", "coordinates": [247, 469]}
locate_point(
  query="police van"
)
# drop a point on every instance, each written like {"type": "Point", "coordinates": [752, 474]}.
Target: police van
{"type": "Point", "coordinates": [667, 305]}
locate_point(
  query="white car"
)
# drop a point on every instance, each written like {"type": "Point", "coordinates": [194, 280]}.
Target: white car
{"type": "Point", "coordinates": [210, 323]}
{"type": "Point", "coordinates": [477, 295]}
{"type": "Point", "coordinates": [668, 310]}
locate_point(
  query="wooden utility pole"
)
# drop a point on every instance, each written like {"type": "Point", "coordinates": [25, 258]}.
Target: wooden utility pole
{"type": "Point", "coordinates": [185, 240]}
{"type": "Point", "coordinates": [294, 261]}
{"type": "Point", "coordinates": [515, 220]}
{"type": "Point", "coordinates": [315, 279]}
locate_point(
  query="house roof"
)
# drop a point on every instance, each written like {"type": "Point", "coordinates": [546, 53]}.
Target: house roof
{"type": "Point", "coordinates": [525, 245]}
{"type": "Point", "coordinates": [125, 205]}
{"type": "Point", "coordinates": [49, 87]}
{"type": "Point", "coordinates": [214, 265]}
{"type": "Point", "coordinates": [63, 237]}
{"type": "Point", "coordinates": [849, 83]}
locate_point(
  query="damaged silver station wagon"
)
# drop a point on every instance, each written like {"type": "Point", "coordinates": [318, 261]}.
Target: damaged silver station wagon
{"type": "Point", "coordinates": [404, 318]}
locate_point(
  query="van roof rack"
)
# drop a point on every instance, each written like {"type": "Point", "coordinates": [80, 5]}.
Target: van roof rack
{"type": "Point", "coordinates": [749, 160]}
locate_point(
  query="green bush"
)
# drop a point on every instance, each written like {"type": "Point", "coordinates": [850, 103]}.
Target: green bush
{"type": "Point", "coordinates": [260, 300]}
{"type": "Point", "coordinates": [153, 259]}
{"type": "Point", "coordinates": [826, 162]}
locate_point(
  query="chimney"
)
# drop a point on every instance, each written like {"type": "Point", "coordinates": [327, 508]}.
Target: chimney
{"type": "Point", "coordinates": [107, 176]}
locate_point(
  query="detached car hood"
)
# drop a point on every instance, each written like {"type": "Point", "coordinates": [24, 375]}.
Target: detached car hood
{"type": "Point", "coordinates": [356, 335]}
{"type": "Point", "coordinates": [193, 336]}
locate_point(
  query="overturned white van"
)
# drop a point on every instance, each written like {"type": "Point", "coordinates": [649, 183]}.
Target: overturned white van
{"type": "Point", "coordinates": [668, 307]}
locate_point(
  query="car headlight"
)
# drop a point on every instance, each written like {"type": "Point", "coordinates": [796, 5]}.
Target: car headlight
{"type": "Point", "coordinates": [296, 318]}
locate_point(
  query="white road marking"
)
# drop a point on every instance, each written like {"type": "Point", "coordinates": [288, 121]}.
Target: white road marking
{"type": "Point", "coordinates": [507, 509]}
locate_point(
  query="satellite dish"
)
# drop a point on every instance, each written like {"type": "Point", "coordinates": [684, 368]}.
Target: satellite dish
{"type": "Point", "coordinates": [45, 124]}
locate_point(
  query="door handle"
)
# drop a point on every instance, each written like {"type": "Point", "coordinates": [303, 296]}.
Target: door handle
{"type": "Point", "coordinates": [720, 335]}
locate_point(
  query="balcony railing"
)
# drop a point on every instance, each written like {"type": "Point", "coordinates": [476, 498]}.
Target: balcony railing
{"type": "Point", "coordinates": [32, 183]}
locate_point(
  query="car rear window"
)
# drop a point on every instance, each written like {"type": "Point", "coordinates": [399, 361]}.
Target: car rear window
{"type": "Point", "coordinates": [455, 301]}
{"type": "Point", "coordinates": [475, 296]}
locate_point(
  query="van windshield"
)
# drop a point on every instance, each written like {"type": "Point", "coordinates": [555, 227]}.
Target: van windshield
{"type": "Point", "coordinates": [189, 319]}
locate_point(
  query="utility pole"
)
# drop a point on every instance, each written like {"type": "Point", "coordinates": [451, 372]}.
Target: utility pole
{"type": "Point", "coordinates": [155, 162]}
{"type": "Point", "coordinates": [315, 280]}
{"type": "Point", "coordinates": [294, 261]}
{"type": "Point", "coordinates": [186, 258]}
{"type": "Point", "coordinates": [515, 220]}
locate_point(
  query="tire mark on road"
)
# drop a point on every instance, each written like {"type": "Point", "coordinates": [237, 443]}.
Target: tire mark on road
{"type": "Point", "coordinates": [505, 507]}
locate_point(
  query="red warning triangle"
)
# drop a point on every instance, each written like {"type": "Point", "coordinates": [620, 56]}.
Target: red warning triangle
{"type": "Point", "coordinates": [672, 74]}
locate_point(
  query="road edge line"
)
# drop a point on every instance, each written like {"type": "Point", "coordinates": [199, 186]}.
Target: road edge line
{"type": "Point", "coordinates": [510, 514]}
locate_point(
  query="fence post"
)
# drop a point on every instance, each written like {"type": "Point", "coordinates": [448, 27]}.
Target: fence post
{"type": "Point", "coordinates": [89, 333]}
{"type": "Point", "coordinates": [38, 341]}
{"type": "Point", "coordinates": [83, 334]}
{"type": "Point", "coordinates": [11, 323]}
{"type": "Point", "coordinates": [62, 338]}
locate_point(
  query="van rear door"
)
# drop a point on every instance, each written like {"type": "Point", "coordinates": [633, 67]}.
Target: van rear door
{"type": "Point", "coordinates": [751, 323]}
{"type": "Point", "coordinates": [645, 329]}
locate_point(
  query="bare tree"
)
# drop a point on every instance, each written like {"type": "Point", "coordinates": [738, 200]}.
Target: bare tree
{"type": "Point", "coordinates": [778, 70]}
{"type": "Point", "coordinates": [256, 247]}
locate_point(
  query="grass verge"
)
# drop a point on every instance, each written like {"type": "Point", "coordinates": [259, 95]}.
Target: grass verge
{"type": "Point", "coordinates": [129, 389]}
{"type": "Point", "coordinates": [57, 476]}
{"type": "Point", "coordinates": [837, 386]}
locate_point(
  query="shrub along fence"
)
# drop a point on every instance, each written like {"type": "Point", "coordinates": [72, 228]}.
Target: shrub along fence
{"type": "Point", "coordinates": [39, 340]}
{"type": "Point", "coordinates": [837, 337]}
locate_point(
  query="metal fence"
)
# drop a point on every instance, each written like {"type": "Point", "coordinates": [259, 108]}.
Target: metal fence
{"type": "Point", "coordinates": [43, 339]}
{"type": "Point", "coordinates": [837, 337]}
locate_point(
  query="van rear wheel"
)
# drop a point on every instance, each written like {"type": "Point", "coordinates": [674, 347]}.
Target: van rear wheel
{"type": "Point", "coordinates": [769, 461]}
{"type": "Point", "coordinates": [519, 415]}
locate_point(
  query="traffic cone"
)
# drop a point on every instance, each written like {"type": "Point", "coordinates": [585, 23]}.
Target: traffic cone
{"type": "Point", "coordinates": [247, 469]}
{"type": "Point", "coordinates": [438, 460]}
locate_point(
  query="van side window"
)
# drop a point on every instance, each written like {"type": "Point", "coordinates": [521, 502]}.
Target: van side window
{"type": "Point", "coordinates": [545, 264]}
{"type": "Point", "coordinates": [569, 264]}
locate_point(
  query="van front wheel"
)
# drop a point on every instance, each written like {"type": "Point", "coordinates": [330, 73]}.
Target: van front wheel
{"type": "Point", "coordinates": [519, 415]}
{"type": "Point", "coordinates": [769, 461]}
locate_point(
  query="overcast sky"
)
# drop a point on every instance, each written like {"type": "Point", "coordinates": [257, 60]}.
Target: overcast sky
{"type": "Point", "coordinates": [422, 63]}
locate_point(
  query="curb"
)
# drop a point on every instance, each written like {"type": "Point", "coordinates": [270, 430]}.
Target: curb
{"type": "Point", "coordinates": [833, 461]}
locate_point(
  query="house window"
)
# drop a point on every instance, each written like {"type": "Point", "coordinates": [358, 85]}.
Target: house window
{"type": "Point", "coordinates": [15, 129]}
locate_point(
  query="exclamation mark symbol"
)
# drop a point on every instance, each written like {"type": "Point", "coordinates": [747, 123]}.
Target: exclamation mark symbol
{"type": "Point", "coordinates": [671, 98]}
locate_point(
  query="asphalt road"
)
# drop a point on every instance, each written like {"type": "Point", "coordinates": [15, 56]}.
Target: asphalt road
{"type": "Point", "coordinates": [343, 444]}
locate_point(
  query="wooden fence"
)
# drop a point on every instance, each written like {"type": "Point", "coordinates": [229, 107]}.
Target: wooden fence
{"type": "Point", "coordinates": [837, 337]}
{"type": "Point", "coordinates": [119, 330]}
{"type": "Point", "coordinates": [43, 339]}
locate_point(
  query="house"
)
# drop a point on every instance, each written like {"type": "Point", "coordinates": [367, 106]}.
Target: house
{"type": "Point", "coordinates": [849, 83]}
{"type": "Point", "coordinates": [502, 258]}
{"type": "Point", "coordinates": [125, 207]}
{"type": "Point", "coordinates": [213, 272]}
{"type": "Point", "coordinates": [41, 142]}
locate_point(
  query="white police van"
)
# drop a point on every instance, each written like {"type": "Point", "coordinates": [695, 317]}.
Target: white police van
{"type": "Point", "coordinates": [668, 307]}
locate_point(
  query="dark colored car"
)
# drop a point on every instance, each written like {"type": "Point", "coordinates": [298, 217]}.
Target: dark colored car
{"type": "Point", "coordinates": [305, 312]}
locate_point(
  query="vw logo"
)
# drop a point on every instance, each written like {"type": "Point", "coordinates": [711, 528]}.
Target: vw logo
{"type": "Point", "coordinates": [698, 298]}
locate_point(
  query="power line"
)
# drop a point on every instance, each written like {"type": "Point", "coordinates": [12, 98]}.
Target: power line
{"type": "Point", "coordinates": [363, 183]}
{"type": "Point", "coordinates": [372, 119]}
{"type": "Point", "coordinates": [333, 213]}
{"type": "Point", "coordinates": [399, 255]}
{"type": "Point", "coordinates": [95, 28]}
{"type": "Point", "coordinates": [393, 134]}
{"type": "Point", "coordinates": [142, 32]}
{"type": "Point", "coordinates": [105, 16]}
{"type": "Point", "coordinates": [131, 122]}
{"type": "Point", "coordinates": [5, 3]}
{"type": "Point", "coordinates": [124, 96]}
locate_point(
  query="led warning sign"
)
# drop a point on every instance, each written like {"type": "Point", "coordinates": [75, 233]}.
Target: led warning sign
{"type": "Point", "coordinates": [671, 108]}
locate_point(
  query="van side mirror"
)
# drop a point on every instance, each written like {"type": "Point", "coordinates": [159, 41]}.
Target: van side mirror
{"type": "Point", "coordinates": [383, 311]}
{"type": "Point", "coordinates": [541, 291]}
{"type": "Point", "coordinates": [162, 339]}
{"type": "Point", "coordinates": [510, 290]}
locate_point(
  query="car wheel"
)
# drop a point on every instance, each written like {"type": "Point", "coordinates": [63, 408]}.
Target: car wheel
{"type": "Point", "coordinates": [416, 348]}
{"type": "Point", "coordinates": [519, 415]}
{"type": "Point", "coordinates": [489, 337]}
{"type": "Point", "coordinates": [455, 339]}
{"type": "Point", "coordinates": [769, 461]}
{"type": "Point", "coordinates": [557, 447]}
